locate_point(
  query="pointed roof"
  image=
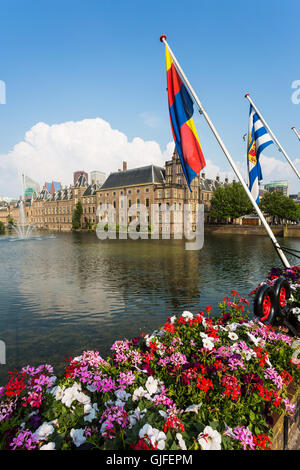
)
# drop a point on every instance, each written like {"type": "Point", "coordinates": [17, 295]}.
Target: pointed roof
{"type": "Point", "coordinates": [81, 182]}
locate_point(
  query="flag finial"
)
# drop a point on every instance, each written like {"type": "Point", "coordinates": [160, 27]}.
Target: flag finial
{"type": "Point", "coordinates": [162, 37]}
{"type": "Point", "coordinates": [247, 94]}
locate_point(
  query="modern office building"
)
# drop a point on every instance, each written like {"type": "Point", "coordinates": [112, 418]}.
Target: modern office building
{"type": "Point", "coordinates": [278, 186]}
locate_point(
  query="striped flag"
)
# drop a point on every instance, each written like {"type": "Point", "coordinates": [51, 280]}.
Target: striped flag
{"type": "Point", "coordinates": [182, 124]}
{"type": "Point", "coordinates": [258, 140]}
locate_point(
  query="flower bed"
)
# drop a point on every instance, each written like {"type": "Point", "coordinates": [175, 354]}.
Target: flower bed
{"type": "Point", "coordinates": [200, 382]}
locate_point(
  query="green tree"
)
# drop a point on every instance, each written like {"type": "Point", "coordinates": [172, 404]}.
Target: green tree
{"type": "Point", "coordinates": [279, 207]}
{"type": "Point", "coordinates": [2, 227]}
{"type": "Point", "coordinates": [76, 218]}
{"type": "Point", "coordinates": [230, 201]}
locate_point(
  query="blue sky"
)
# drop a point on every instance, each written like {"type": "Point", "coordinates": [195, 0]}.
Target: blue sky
{"type": "Point", "coordinates": [67, 61]}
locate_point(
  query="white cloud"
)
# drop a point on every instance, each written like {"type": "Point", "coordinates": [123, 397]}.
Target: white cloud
{"type": "Point", "coordinates": [54, 152]}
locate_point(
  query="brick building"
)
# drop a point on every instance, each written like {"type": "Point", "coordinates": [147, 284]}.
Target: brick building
{"type": "Point", "coordinates": [147, 185]}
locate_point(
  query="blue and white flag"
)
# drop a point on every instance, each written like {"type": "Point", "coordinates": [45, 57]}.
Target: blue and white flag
{"type": "Point", "coordinates": [258, 140]}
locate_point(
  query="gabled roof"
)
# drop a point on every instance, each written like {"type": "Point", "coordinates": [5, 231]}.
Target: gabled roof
{"type": "Point", "coordinates": [136, 176]}
{"type": "Point", "coordinates": [91, 189]}
{"type": "Point", "coordinates": [207, 184]}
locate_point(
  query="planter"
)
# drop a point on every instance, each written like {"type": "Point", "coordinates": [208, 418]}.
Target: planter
{"type": "Point", "coordinates": [284, 429]}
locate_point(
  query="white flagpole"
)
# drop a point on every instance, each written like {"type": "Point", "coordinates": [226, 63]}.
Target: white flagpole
{"type": "Point", "coordinates": [272, 135]}
{"type": "Point", "coordinates": [227, 154]}
{"type": "Point", "coordinates": [296, 132]}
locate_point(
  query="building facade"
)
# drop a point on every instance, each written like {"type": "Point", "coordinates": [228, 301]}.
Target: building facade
{"type": "Point", "coordinates": [125, 191]}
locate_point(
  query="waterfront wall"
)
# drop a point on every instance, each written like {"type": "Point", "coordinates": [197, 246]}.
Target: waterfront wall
{"type": "Point", "coordinates": [291, 231]}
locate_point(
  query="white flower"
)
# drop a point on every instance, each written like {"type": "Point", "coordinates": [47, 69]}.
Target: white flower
{"type": "Point", "coordinates": [210, 439]}
{"type": "Point", "coordinates": [77, 359]}
{"type": "Point", "coordinates": [188, 315]}
{"type": "Point", "coordinates": [135, 416]}
{"type": "Point", "coordinates": [154, 435]}
{"type": "Point", "coordinates": [194, 408]}
{"type": "Point", "coordinates": [49, 446]}
{"type": "Point", "coordinates": [44, 431]}
{"type": "Point", "coordinates": [71, 394]}
{"type": "Point", "coordinates": [296, 310]}
{"type": "Point", "coordinates": [181, 441]}
{"type": "Point", "coordinates": [208, 344]}
{"type": "Point", "coordinates": [151, 385]}
{"type": "Point", "coordinates": [82, 398]}
{"type": "Point", "coordinates": [122, 395]}
{"type": "Point", "coordinates": [233, 336]}
{"type": "Point", "coordinates": [119, 403]}
{"type": "Point", "coordinates": [163, 414]}
{"type": "Point", "coordinates": [253, 339]}
{"type": "Point", "coordinates": [77, 436]}
{"type": "Point", "coordinates": [232, 326]}
{"type": "Point", "coordinates": [90, 412]}
{"type": "Point", "coordinates": [57, 392]}
{"type": "Point", "coordinates": [139, 393]}
{"type": "Point", "coordinates": [172, 319]}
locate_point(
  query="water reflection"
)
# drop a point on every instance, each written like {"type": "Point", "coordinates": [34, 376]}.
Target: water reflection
{"type": "Point", "coordinates": [73, 292]}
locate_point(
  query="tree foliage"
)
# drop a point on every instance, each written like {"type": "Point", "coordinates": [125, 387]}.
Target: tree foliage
{"type": "Point", "coordinates": [230, 201]}
{"type": "Point", "coordinates": [76, 218]}
{"type": "Point", "coordinates": [279, 207]}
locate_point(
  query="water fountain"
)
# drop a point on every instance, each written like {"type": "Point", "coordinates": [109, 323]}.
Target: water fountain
{"type": "Point", "coordinates": [23, 230]}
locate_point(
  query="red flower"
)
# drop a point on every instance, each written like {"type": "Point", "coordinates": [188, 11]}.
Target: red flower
{"type": "Point", "coordinates": [170, 328]}
{"type": "Point", "coordinates": [262, 441]}
{"type": "Point", "coordinates": [208, 309]}
{"type": "Point", "coordinates": [262, 356]}
{"type": "Point", "coordinates": [204, 384]}
{"type": "Point", "coordinates": [234, 292]}
{"type": "Point", "coordinates": [232, 387]}
{"type": "Point", "coordinates": [286, 377]}
{"type": "Point", "coordinates": [143, 444]}
{"type": "Point", "coordinates": [16, 384]}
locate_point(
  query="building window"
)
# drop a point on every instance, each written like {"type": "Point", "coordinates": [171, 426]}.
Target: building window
{"type": "Point", "coordinates": [147, 190]}
{"type": "Point", "coordinates": [147, 202]}
{"type": "Point", "coordinates": [129, 191]}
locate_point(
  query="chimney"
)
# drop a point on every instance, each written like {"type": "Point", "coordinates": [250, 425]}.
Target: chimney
{"type": "Point", "coordinates": [124, 166]}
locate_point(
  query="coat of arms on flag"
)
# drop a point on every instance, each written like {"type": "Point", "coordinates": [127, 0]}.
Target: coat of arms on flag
{"type": "Point", "coordinates": [258, 140]}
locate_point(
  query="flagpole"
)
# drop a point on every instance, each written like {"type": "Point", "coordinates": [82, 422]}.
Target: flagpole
{"type": "Point", "coordinates": [296, 132]}
{"type": "Point", "coordinates": [272, 135]}
{"type": "Point", "coordinates": [228, 156]}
